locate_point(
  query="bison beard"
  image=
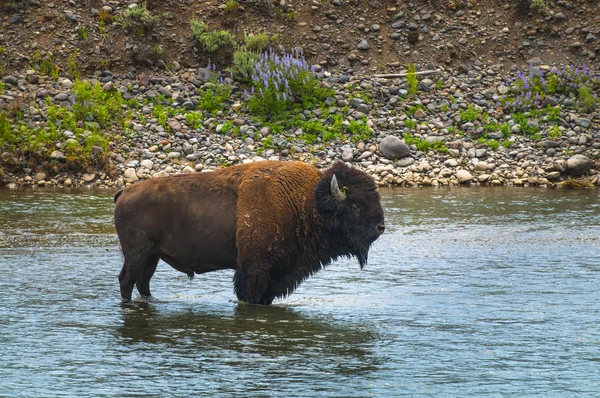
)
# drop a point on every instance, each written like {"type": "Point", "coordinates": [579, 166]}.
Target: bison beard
{"type": "Point", "coordinates": [274, 223]}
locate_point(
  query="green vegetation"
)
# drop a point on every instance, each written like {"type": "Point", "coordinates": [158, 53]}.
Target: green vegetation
{"type": "Point", "coordinates": [424, 145]}
{"type": "Point", "coordinates": [231, 5]}
{"type": "Point", "coordinates": [214, 94]}
{"type": "Point", "coordinates": [259, 41]}
{"type": "Point", "coordinates": [244, 62]}
{"type": "Point", "coordinates": [411, 79]}
{"type": "Point", "coordinates": [72, 65]}
{"type": "Point", "coordinates": [411, 124]}
{"type": "Point", "coordinates": [554, 132]}
{"type": "Point", "coordinates": [82, 33]}
{"type": "Point", "coordinates": [158, 51]}
{"type": "Point", "coordinates": [290, 16]}
{"type": "Point", "coordinates": [283, 85]}
{"type": "Point", "coordinates": [45, 64]}
{"type": "Point", "coordinates": [211, 41]}
{"type": "Point", "coordinates": [160, 114]}
{"type": "Point", "coordinates": [522, 120]}
{"type": "Point", "coordinates": [89, 117]}
{"type": "Point", "coordinates": [193, 119]}
{"type": "Point", "coordinates": [139, 20]}
{"type": "Point", "coordinates": [470, 114]}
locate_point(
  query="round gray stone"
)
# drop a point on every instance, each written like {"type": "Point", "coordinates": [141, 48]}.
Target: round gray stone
{"type": "Point", "coordinates": [463, 176]}
{"type": "Point", "coordinates": [578, 165]}
{"type": "Point", "coordinates": [393, 148]}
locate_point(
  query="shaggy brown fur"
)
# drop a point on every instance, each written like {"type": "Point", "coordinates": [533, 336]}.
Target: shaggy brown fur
{"type": "Point", "coordinates": [275, 223]}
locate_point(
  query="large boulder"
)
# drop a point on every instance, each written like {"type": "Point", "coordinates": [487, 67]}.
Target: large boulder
{"type": "Point", "coordinates": [578, 165]}
{"type": "Point", "coordinates": [393, 148]}
{"type": "Point", "coordinates": [463, 176]}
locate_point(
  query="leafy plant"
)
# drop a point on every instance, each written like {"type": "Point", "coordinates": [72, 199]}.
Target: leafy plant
{"type": "Point", "coordinates": [259, 41]}
{"type": "Point", "coordinates": [411, 79]}
{"type": "Point", "coordinates": [470, 114]}
{"type": "Point", "coordinates": [244, 63]}
{"type": "Point", "coordinates": [193, 119]}
{"type": "Point", "coordinates": [411, 124]}
{"type": "Point", "coordinates": [231, 5]}
{"type": "Point", "coordinates": [82, 33]}
{"type": "Point", "coordinates": [554, 132]}
{"type": "Point", "coordinates": [211, 41]}
{"type": "Point", "coordinates": [281, 82]}
{"type": "Point", "coordinates": [139, 19]}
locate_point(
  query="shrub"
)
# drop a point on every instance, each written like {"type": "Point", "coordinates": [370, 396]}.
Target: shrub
{"type": "Point", "coordinates": [280, 82]}
{"type": "Point", "coordinates": [244, 63]}
{"type": "Point", "coordinates": [259, 41]}
{"type": "Point", "coordinates": [214, 94]}
{"type": "Point", "coordinates": [528, 90]}
{"type": "Point", "coordinates": [211, 41]}
{"type": "Point", "coordinates": [231, 5]}
{"type": "Point", "coordinates": [139, 19]}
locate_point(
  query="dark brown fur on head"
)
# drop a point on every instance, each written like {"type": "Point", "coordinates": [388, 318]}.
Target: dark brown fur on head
{"type": "Point", "coordinates": [355, 220]}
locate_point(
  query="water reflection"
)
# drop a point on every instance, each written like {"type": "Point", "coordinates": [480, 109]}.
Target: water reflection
{"type": "Point", "coordinates": [270, 332]}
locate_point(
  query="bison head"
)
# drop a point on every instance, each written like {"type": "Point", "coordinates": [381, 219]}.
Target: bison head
{"type": "Point", "coordinates": [348, 202]}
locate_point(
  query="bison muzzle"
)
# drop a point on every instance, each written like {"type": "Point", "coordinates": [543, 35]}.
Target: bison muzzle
{"type": "Point", "coordinates": [274, 223]}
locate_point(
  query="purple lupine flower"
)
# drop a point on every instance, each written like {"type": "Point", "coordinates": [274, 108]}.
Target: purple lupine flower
{"type": "Point", "coordinates": [252, 89]}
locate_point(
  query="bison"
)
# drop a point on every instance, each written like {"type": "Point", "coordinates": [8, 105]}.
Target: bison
{"type": "Point", "coordinates": [274, 223]}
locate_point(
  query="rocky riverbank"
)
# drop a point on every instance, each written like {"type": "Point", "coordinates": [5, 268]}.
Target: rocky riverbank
{"type": "Point", "coordinates": [454, 131]}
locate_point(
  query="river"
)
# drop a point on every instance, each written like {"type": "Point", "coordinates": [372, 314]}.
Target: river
{"type": "Point", "coordinates": [470, 292]}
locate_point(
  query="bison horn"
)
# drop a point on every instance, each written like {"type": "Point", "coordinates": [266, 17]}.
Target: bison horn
{"type": "Point", "coordinates": [335, 190]}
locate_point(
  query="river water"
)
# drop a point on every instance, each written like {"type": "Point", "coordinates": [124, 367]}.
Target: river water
{"type": "Point", "coordinates": [470, 292]}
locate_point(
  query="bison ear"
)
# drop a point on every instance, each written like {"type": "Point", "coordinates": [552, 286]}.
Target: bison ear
{"type": "Point", "coordinates": [336, 191]}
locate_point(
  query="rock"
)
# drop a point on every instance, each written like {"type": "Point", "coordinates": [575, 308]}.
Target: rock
{"type": "Point", "coordinates": [481, 166]}
{"type": "Point", "coordinates": [347, 155]}
{"type": "Point", "coordinates": [463, 176]}
{"type": "Point", "coordinates": [174, 125]}
{"type": "Point", "coordinates": [420, 114]}
{"type": "Point", "coordinates": [68, 182]}
{"type": "Point", "coordinates": [583, 122]}
{"type": "Point", "coordinates": [393, 148]}
{"type": "Point", "coordinates": [451, 163]}
{"type": "Point", "coordinates": [577, 165]}
{"type": "Point", "coordinates": [188, 170]}
{"type": "Point", "coordinates": [174, 155]}
{"type": "Point", "coordinates": [130, 174]}
{"type": "Point", "coordinates": [88, 177]}
{"type": "Point", "coordinates": [41, 176]}
{"type": "Point", "coordinates": [58, 155]}
{"type": "Point", "coordinates": [147, 164]}
{"type": "Point", "coordinates": [160, 174]}
{"type": "Point", "coordinates": [108, 86]}
{"type": "Point", "coordinates": [363, 45]}
{"type": "Point", "coordinates": [405, 162]}
{"type": "Point", "coordinates": [12, 80]}
{"type": "Point", "coordinates": [559, 16]}
{"type": "Point", "coordinates": [11, 185]}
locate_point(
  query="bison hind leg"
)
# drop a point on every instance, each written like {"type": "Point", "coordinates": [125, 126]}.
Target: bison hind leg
{"type": "Point", "coordinates": [137, 270]}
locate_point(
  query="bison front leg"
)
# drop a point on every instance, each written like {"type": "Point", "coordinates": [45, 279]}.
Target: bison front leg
{"type": "Point", "coordinates": [251, 283]}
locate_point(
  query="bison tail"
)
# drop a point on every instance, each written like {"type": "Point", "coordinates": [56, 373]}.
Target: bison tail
{"type": "Point", "coordinates": [117, 195]}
